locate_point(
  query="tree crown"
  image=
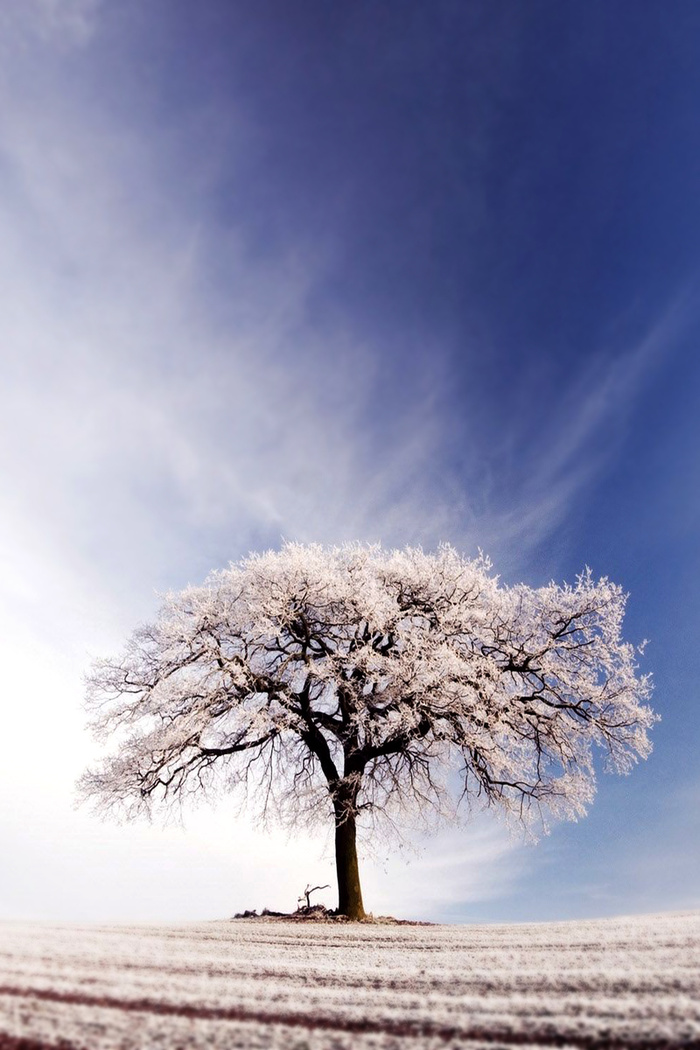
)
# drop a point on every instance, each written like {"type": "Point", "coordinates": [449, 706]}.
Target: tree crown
{"type": "Point", "coordinates": [357, 677]}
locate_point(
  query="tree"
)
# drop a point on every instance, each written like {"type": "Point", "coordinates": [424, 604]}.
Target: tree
{"type": "Point", "coordinates": [352, 682]}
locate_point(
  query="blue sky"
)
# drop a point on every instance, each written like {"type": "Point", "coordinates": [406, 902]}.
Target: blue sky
{"type": "Point", "coordinates": [401, 272]}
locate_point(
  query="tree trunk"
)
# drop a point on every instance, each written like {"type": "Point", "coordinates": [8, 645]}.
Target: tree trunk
{"type": "Point", "coordinates": [349, 890]}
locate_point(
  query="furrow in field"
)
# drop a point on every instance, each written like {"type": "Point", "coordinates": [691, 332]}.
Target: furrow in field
{"type": "Point", "coordinates": [553, 1033]}
{"type": "Point", "coordinates": [675, 979]}
{"type": "Point", "coordinates": [623, 1015]}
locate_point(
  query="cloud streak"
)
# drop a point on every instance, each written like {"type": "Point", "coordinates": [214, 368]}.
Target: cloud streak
{"type": "Point", "coordinates": [224, 417]}
{"type": "Point", "coordinates": [58, 23]}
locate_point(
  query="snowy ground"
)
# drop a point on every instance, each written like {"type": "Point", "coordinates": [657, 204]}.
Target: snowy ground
{"type": "Point", "coordinates": [607, 985]}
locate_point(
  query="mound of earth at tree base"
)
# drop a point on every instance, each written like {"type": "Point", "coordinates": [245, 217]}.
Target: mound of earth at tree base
{"type": "Point", "coordinates": [319, 913]}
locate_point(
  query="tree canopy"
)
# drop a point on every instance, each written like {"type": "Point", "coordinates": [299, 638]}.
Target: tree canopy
{"type": "Point", "coordinates": [347, 683]}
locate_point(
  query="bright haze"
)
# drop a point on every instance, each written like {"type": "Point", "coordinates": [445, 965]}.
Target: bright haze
{"type": "Point", "coordinates": [396, 272]}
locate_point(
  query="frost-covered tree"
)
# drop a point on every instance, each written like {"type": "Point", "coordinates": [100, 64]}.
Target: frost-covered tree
{"type": "Point", "coordinates": [352, 682]}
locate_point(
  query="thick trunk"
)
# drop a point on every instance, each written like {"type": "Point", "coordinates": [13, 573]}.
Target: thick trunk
{"type": "Point", "coordinates": [349, 890]}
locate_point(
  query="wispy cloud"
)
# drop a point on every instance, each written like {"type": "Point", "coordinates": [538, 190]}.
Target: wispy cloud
{"type": "Point", "coordinates": [57, 22]}
{"type": "Point", "coordinates": [447, 876]}
{"type": "Point", "coordinates": [137, 422]}
{"type": "Point", "coordinates": [149, 412]}
{"type": "Point", "coordinates": [572, 441]}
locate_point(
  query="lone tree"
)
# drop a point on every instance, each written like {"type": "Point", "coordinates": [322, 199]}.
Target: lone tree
{"type": "Point", "coordinates": [352, 682]}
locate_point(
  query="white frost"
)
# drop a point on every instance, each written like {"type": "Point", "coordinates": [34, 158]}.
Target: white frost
{"type": "Point", "coordinates": [352, 987]}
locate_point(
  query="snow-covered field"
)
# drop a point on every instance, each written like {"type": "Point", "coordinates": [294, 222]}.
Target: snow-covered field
{"type": "Point", "coordinates": [616, 984]}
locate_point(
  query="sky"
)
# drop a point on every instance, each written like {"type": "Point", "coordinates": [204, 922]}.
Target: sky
{"type": "Point", "coordinates": [395, 272]}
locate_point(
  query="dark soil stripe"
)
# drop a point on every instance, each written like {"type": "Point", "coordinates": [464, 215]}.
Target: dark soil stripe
{"type": "Point", "coordinates": [385, 1026]}
{"type": "Point", "coordinates": [11, 1042]}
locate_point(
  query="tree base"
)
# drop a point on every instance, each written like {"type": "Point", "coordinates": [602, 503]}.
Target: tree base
{"type": "Point", "coordinates": [318, 913]}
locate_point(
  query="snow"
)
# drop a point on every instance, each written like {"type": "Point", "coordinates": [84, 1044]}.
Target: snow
{"type": "Point", "coordinates": [271, 984]}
